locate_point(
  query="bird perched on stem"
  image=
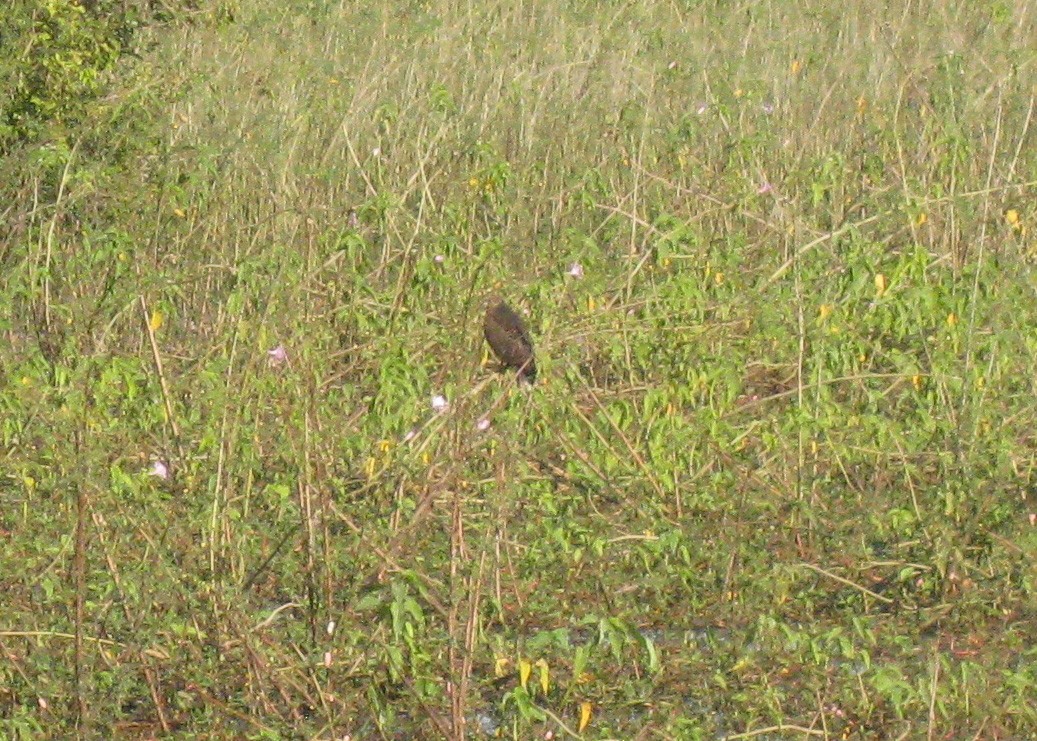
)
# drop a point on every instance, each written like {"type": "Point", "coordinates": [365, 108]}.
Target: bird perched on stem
{"type": "Point", "coordinates": [509, 339]}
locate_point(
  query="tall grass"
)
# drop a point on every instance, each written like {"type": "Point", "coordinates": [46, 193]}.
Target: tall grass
{"type": "Point", "coordinates": [775, 477]}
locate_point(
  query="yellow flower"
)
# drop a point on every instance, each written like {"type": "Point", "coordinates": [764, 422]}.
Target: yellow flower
{"type": "Point", "coordinates": [880, 285]}
{"type": "Point", "coordinates": [862, 105]}
{"type": "Point", "coordinates": [585, 716]}
{"type": "Point", "coordinates": [952, 319]}
{"type": "Point", "coordinates": [545, 675]}
{"type": "Point", "coordinates": [824, 312]}
{"type": "Point", "coordinates": [795, 67]}
{"type": "Point", "coordinates": [525, 669]}
{"type": "Point", "coordinates": [1012, 217]}
{"type": "Point", "coordinates": [922, 218]}
{"type": "Point", "coordinates": [739, 92]}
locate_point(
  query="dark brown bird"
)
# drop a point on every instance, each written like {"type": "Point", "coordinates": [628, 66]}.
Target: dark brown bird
{"type": "Point", "coordinates": [509, 339]}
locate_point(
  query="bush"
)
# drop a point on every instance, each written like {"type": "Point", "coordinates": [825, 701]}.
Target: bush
{"type": "Point", "coordinates": [57, 55]}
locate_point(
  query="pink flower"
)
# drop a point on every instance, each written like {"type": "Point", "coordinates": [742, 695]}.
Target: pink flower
{"type": "Point", "coordinates": [439, 403]}
{"type": "Point", "coordinates": [768, 108]}
{"type": "Point", "coordinates": [702, 108]}
{"type": "Point", "coordinates": [277, 356]}
{"type": "Point", "coordinates": [576, 270]}
{"type": "Point", "coordinates": [764, 188]}
{"type": "Point", "coordinates": [483, 424]}
{"type": "Point", "coordinates": [159, 469]}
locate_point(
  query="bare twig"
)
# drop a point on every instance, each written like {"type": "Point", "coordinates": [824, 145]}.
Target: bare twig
{"type": "Point", "coordinates": [156, 358]}
{"type": "Point", "coordinates": [848, 583]}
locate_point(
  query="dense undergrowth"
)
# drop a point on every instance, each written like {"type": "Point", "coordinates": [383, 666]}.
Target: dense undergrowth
{"type": "Point", "coordinates": [775, 480]}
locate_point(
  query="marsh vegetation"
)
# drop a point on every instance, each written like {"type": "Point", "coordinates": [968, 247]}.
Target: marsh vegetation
{"type": "Point", "coordinates": [776, 476]}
